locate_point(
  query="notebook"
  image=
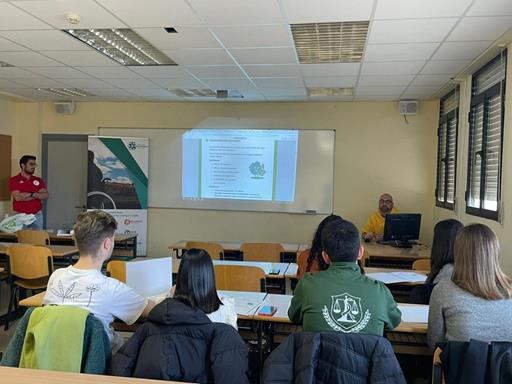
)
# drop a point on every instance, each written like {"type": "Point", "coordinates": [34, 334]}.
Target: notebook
{"type": "Point", "coordinates": [151, 278]}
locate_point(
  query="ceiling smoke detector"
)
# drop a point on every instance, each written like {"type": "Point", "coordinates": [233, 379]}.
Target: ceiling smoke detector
{"type": "Point", "coordinates": [73, 18]}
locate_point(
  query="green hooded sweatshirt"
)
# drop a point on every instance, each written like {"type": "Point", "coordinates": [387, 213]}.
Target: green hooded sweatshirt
{"type": "Point", "coordinates": [342, 299]}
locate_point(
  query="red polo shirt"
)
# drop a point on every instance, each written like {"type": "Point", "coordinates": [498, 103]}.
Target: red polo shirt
{"type": "Point", "coordinates": [22, 184]}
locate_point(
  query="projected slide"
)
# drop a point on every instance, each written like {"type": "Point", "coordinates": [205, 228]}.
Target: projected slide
{"type": "Point", "coordinates": [239, 164]}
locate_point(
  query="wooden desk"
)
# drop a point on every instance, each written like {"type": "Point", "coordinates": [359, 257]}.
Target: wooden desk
{"type": "Point", "coordinates": [36, 376]}
{"type": "Point", "coordinates": [58, 251]}
{"type": "Point", "coordinates": [125, 244]}
{"type": "Point", "coordinates": [230, 246]}
{"type": "Point", "coordinates": [388, 256]}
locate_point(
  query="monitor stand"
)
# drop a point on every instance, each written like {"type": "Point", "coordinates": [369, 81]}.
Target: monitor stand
{"type": "Point", "coordinates": [402, 244]}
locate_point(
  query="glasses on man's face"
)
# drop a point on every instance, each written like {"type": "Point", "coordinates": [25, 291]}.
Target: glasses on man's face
{"type": "Point", "coordinates": [385, 201]}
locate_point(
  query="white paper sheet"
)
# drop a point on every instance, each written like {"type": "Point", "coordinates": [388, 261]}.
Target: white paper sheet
{"type": "Point", "coordinates": [397, 277]}
{"type": "Point", "coordinates": [414, 313]}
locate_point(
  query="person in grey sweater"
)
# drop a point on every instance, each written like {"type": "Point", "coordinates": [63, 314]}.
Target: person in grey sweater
{"type": "Point", "coordinates": [476, 303]}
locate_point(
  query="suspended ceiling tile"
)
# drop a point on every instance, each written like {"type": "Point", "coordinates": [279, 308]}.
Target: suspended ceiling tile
{"type": "Point", "coordinates": [392, 68]}
{"type": "Point", "coordinates": [13, 18]}
{"type": "Point", "coordinates": [320, 11]}
{"type": "Point", "coordinates": [245, 36]}
{"type": "Point", "coordinates": [269, 70]}
{"type": "Point", "coordinates": [200, 56]}
{"type": "Point", "coordinates": [448, 67]}
{"type": "Point", "coordinates": [82, 58]}
{"type": "Point", "coordinates": [334, 69]}
{"type": "Point", "coordinates": [410, 31]}
{"type": "Point", "coordinates": [331, 81]}
{"type": "Point", "coordinates": [409, 9]}
{"type": "Point", "coordinates": [235, 12]}
{"type": "Point", "coordinates": [216, 71]}
{"type": "Point", "coordinates": [480, 28]}
{"type": "Point", "coordinates": [246, 56]}
{"type": "Point", "coordinates": [399, 52]}
{"type": "Point", "coordinates": [50, 40]}
{"type": "Point", "coordinates": [28, 59]}
{"type": "Point", "coordinates": [187, 37]}
{"type": "Point", "coordinates": [461, 50]}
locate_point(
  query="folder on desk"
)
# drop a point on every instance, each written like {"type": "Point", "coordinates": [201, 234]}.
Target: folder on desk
{"type": "Point", "coordinates": [151, 278]}
{"type": "Point", "coordinates": [397, 277]}
{"type": "Point", "coordinates": [414, 313]}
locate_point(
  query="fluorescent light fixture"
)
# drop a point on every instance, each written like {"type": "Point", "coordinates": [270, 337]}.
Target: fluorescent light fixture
{"type": "Point", "coordinates": [339, 42]}
{"type": "Point", "coordinates": [192, 92]}
{"type": "Point", "coordinates": [122, 45]}
{"type": "Point", "coordinates": [67, 92]}
{"type": "Point", "coordinates": [4, 64]}
{"type": "Point", "coordinates": [330, 92]}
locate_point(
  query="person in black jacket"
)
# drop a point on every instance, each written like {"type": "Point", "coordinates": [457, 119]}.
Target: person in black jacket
{"type": "Point", "coordinates": [179, 342]}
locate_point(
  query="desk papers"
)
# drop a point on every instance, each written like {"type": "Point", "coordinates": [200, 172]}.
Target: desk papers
{"type": "Point", "coordinates": [414, 313]}
{"type": "Point", "coordinates": [397, 277]}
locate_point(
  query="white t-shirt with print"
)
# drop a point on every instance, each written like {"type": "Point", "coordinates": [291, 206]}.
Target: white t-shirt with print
{"type": "Point", "coordinates": [103, 296]}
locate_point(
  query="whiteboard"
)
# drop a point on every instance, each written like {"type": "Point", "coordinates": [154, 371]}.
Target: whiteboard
{"type": "Point", "coordinates": [314, 179]}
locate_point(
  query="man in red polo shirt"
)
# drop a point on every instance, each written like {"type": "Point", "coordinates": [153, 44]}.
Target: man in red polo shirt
{"type": "Point", "coordinates": [28, 190]}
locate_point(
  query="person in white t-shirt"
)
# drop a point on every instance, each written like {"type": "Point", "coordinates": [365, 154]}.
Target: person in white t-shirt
{"type": "Point", "coordinates": [195, 286]}
{"type": "Point", "coordinates": [83, 285]}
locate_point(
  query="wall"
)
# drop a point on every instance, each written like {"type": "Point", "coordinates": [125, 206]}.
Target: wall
{"type": "Point", "coordinates": [504, 228]}
{"type": "Point", "coordinates": [376, 151]}
{"type": "Point", "coordinates": [8, 127]}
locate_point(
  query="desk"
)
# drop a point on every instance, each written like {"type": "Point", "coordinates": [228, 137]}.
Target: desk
{"type": "Point", "coordinates": [58, 251]}
{"type": "Point", "coordinates": [388, 256]}
{"type": "Point", "coordinates": [36, 376]}
{"type": "Point", "coordinates": [180, 246]}
{"type": "Point", "coordinates": [125, 244]}
{"type": "Point", "coordinates": [291, 273]}
{"type": "Point", "coordinates": [265, 266]}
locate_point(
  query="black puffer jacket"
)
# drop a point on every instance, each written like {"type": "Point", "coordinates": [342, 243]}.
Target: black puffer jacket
{"type": "Point", "coordinates": [333, 357]}
{"type": "Point", "coordinates": [180, 343]}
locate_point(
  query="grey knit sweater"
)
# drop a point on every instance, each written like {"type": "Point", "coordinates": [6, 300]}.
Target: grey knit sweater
{"type": "Point", "coordinates": [457, 315]}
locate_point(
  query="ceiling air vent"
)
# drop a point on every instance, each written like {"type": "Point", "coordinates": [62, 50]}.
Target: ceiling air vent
{"type": "Point", "coordinates": [330, 92]}
{"type": "Point", "coordinates": [67, 92]}
{"type": "Point", "coordinates": [330, 42]}
{"type": "Point", "coordinates": [192, 92]}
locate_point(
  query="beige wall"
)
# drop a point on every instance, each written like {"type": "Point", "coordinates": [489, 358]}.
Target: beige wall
{"type": "Point", "coordinates": [376, 151]}
{"type": "Point", "coordinates": [503, 229]}
{"type": "Point", "coordinates": [8, 127]}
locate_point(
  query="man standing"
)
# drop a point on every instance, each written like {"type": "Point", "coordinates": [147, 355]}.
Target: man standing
{"type": "Point", "coordinates": [374, 227]}
{"type": "Point", "coordinates": [28, 190]}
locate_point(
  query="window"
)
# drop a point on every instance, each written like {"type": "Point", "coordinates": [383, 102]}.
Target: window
{"type": "Point", "coordinates": [447, 149]}
{"type": "Point", "coordinates": [483, 193]}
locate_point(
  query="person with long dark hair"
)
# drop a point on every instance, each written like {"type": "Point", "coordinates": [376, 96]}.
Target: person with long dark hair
{"type": "Point", "coordinates": [182, 340]}
{"type": "Point", "coordinates": [441, 257]}
{"type": "Point", "coordinates": [315, 259]}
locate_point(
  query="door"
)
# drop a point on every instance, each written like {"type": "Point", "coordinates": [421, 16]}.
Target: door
{"type": "Point", "coordinates": [65, 173]}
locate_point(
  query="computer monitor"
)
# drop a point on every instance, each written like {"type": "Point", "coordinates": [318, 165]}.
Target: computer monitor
{"type": "Point", "coordinates": [400, 228]}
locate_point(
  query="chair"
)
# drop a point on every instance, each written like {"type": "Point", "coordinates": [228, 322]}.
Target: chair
{"type": "Point", "coordinates": [334, 358]}
{"type": "Point", "coordinates": [302, 263]}
{"type": "Point", "coordinates": [421, 265]}
{"type": "Point", "coordinates": [269, 252]}
{"type": "Point", "coordinates": [215, 250]}
{"type": "Point", "coordinates": [33, 237]}
{"type": "Point", "coordinates": [437, 370]}
{"type": "Point", "coordinates": [117, 270]}
{"type": "Point", "coordinates": [29, 267]}
{"type": "Point", "coordinates": [240, 278]}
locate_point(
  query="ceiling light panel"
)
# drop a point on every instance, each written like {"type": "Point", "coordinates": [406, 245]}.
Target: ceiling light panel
{"type": "Point", "coordinates": [122, 45]}
{"type": "Point", "coordinates": [330, 42]}
{"type": "Point", "coordinates": [329, 92]}
{"type": "Point", "coordinates": [67, 92]}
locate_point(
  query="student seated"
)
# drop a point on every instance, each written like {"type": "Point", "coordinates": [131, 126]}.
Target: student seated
{"type": "Point", "coordinates": [441, 259]}
{"type": "Point", "coordinates": [476, 303]}
{"type": "Point", "coordinates": [341, 298]}
{"type": "Point", "coordinates": [315, 260]}
{"type": "Point", "coordinates": [83, 285]}
{"type": "Point", "coordinates": [179, 341]}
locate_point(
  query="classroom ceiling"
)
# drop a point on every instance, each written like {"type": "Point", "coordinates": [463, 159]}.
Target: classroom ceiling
{"type": "Point", "coordinates": [412, 48]}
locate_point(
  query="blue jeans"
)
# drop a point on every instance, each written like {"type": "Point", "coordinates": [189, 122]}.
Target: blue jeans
{"type": "Point", "coordinates": [38, 224]}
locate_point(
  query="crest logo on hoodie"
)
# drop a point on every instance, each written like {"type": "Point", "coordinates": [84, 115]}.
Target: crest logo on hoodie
{"type": "Point", "coordinates": [346, 314]}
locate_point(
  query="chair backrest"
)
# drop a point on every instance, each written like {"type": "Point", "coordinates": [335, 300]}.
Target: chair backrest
{"type": "Point", "coordinates": [240, 278]}
{"type": "Point", "coordinates": [117, 270]}
{"type": "Point", "coordinates": [437, 369]}
{"type": "Point", "coordinates": [269, 252]}
{"type": "Point", "coordinates": [30, 261]}
{"type": "Point", "coordinates": [421, 265]}
{"type": "Point", "coordinates": [302, 263]}
{"type": "Point", "coordinates": [215, 250]}
{"type": "Point", "coordinates": [33, 237]}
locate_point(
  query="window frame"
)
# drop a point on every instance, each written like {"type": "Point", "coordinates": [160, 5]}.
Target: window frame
{"type": "Point", "coordinates": [477, 99]}
{"type": "Point", "coordinates": [444, 118]}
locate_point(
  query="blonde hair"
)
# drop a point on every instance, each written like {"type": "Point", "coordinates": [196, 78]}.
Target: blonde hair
{"type": "Point", "coordinates": [476, 267]}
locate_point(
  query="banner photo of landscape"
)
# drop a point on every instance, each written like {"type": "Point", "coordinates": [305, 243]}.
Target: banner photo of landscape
{"type": "Point", "coordinates": [117, 182]}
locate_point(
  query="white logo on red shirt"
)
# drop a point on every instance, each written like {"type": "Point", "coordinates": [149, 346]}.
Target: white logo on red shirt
{"type": "Point", "coordinates": [36, 182]}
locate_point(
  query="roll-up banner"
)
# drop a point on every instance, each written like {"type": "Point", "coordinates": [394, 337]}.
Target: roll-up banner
{"type": "Point", "coordinates": [117, 182]}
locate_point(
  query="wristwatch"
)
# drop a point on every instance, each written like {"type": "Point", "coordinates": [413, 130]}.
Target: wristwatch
{"type": "Point", "coordinates": [31, 194]}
